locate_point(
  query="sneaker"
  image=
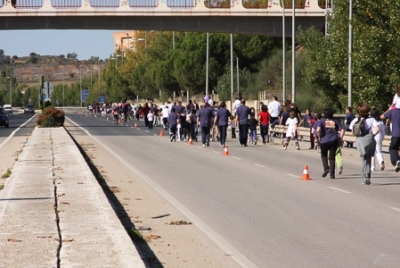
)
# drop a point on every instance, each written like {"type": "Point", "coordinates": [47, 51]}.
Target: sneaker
{"type": "Point", "coordinates": [298, 147]}
{"type": "Point", "coordinates": [332, 177]}
{"type": "Point", "coordinates": [383, 166]}
{"type": "Point", "coordinates": [204, 145]}
{"type": "Point", "coordinates": [255, 143]}
{"type": "Point", "coordinates": [340, 170]}
{"type": "Point", "coordinates": [284, 147]}
{"type": "Point", "coordinates": [325, 173]}
{"type": "Point", "coordinates": [366, 180]}
{"type": "Point", "coordinates": [208, 143]}
{"type": "Point", "coordinates": [397, 166]}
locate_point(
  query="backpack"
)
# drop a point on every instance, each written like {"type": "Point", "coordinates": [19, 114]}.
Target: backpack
{"type": "Point", "coordinates": [359, 128]}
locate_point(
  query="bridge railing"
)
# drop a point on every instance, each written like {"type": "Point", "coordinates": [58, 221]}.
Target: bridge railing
{"type": "Point", "coordinates": [159, 7]}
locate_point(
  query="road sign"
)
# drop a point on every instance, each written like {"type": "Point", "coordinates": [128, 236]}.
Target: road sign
{"type": "Point", "coordinates": [84, 94]}
{"type": "Point", "coordinates": [48, 89]}
{"type": "Point", "coordinates": [102, 99]}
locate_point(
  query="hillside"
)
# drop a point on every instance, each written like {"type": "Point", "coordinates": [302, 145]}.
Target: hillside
{"type": "Point", "coordinates": [52, 68]}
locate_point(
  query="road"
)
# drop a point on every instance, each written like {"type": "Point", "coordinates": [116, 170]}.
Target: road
{"type": "Point", "coordinates": [253, 205]}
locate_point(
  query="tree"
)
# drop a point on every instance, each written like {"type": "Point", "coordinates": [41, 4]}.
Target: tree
{"type": "Point", "coordinates": [376, 60]}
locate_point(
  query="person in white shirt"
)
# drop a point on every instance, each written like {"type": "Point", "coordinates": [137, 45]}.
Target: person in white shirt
{"type": "Point", "coordinates": [235, 105]}
{"type": "Point", "coordinates": [274, 108]}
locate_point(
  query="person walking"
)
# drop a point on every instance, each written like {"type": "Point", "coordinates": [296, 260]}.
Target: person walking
{"type": "Point", "coordinates": [291, 133]}
{"type": "Point", "coordinates": [221, 120]}
{"type": "Point", "coordinates": [173, 119]}
{"type": "Point", "coordinates": [327, 131]}
{"type": "Point", "coordinates": [349, 117]}
{"type": "Point", "coordinates": [274, 108]}
{"type": "Point", "coordinates": [204, 116]}
{"type": "Point", "coordinates": [264, 118]}
{"type": "Point", "coordinates": [394, 146]}
{"type": "Point", "coordinates": [366, 144]}
{"type": "Point", "coordinates": [379, 139]}
{"type": "Point", "coordinates": [242, 119]}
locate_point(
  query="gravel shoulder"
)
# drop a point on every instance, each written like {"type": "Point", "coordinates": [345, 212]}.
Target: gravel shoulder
{"type": "Point", "coordinates": [171, 240]}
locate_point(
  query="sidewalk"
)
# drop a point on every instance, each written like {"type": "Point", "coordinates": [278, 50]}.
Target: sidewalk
{"type": "Point", "coordinates": [53, 213]}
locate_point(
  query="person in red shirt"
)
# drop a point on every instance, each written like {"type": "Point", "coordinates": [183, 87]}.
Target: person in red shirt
{"type": "Point", "coordinates": [263, 118]}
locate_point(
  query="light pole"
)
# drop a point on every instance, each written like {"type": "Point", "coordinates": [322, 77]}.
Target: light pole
{"type": "Point", "coordinates": [350, 78]}
{"type": "Point", "coordinates": [283, 52]}
{"type": "Point", "coordinates": [80, 83]}
{"type": "Point", "coordinates": [207, 56]}
{"type": "Point", "coordinates": [62, 79]}
{"type": "Point", "coordinates": [9, 77]}
{"type": "Point", "coordinates": [293, 52]}
{"type": "Point", "coordinates": [231, 38]}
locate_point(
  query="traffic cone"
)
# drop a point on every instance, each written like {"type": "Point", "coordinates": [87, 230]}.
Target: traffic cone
{"type": "Point", "coordinates": [161, 133]}
{"type": "Point", "coordinates": [306, 176]}
{"type": "Point", "coordinates": [226, 153]}
{"type": "Point", "coordinates": [190, 142]}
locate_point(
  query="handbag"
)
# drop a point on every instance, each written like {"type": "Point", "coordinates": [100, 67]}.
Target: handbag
{"type": "Point", "coordinates": [366, 145]}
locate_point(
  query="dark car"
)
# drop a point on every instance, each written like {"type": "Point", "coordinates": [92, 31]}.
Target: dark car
{"type": "Point", "coordinates": [29, 108]}
{"type": "Point", "coordinates": [3, 118]}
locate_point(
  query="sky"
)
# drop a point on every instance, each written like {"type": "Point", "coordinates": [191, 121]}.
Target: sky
{"type": "Point", "coordinates": [85, 43]}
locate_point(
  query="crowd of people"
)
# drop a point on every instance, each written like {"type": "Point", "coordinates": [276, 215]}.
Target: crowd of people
{"type": "Point", "coordinates": [209, 121]}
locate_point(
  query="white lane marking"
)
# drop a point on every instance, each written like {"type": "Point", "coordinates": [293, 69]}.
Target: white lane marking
{"type": "Point", "coordinates": [15, 131]}
{"type": "Point", "coordinates": [258, 165]}
{"type": "Point", "coordinates": [241, 259]}
{"type": "Point", "coordinates": [395, 209]}
{"type": "Point", "coordinates": [237, 158]}
{"type": "Point", "coordinates": [293, 175]}
{"type": "Point", "coordinates": [146, 131]}
{"type": "Point", "coordinates": [340, 190]}
{"type": "Point", "coordinates": [215, 152]}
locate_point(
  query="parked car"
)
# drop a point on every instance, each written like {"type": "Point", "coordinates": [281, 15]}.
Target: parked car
{"type": "Point", "coordinates": [3, 117]}
{"type": "Point", "coordinates": [8, 108]}
{"type": "Point", "coordinates": [29, 108]}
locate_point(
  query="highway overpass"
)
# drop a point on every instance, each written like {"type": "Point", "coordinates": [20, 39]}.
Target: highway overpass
{"type": "Point", "coordinates": [224, 16]}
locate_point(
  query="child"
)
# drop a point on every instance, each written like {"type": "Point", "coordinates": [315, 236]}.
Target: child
{"type": "Point", "coordinates": [150, 118]}
{"type": "Point", "coordinates": [253, 123]}
{"type": "Point", "coordinates": [291, 133]}
{"type": "Point", "coordinates": [379, 139]}
{"type": "Point", "coordinates": [314, 132]}
{"type": "Point", "coordinates": [233, 128]}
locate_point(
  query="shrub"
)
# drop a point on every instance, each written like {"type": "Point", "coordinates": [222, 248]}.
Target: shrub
{"type": "Point", "coordinates": [51, 117]}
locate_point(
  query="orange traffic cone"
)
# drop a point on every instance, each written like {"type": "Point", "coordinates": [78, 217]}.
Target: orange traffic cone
{"type": "Point", "coordinates": [226, 153]}
{"type": "Point", "coordinates": [161, 133]}
{"type": "Point", "coordinates": [190, 142]}
{"type": "Point", "coordinates": [306, 175]}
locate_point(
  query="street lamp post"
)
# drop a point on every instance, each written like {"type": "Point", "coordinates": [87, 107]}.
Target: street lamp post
{"type": "Point", "coordinates": [9, 77]}
{"type": "Point", "coordinates": [207, 56]}
{"type": "Point", "coordinates": [80, 80]}
{"type": "Point", "coordinates": [62, 81]}
{"type": "Point", "coordinates": [283, 52]}
{"type": "Point", "coordinates": [350, 78]}
{"type": "Point", "coordinates": [293, 51]}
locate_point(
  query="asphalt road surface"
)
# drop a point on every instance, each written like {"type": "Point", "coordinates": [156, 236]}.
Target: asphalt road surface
{"type": "Point", "coordinates": [253, 204]}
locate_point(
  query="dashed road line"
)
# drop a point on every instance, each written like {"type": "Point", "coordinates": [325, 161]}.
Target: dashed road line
{"type": "Point", "coordinates": [340, 190]}
{"type": "Point", "coordinates": [296, 176]}
{"type": "Point", "coordinates": [258, 165]}
{"type": "Point", "coordinates": [395, 209]}
{"type": "Point", "coordinates": [237, 158]}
